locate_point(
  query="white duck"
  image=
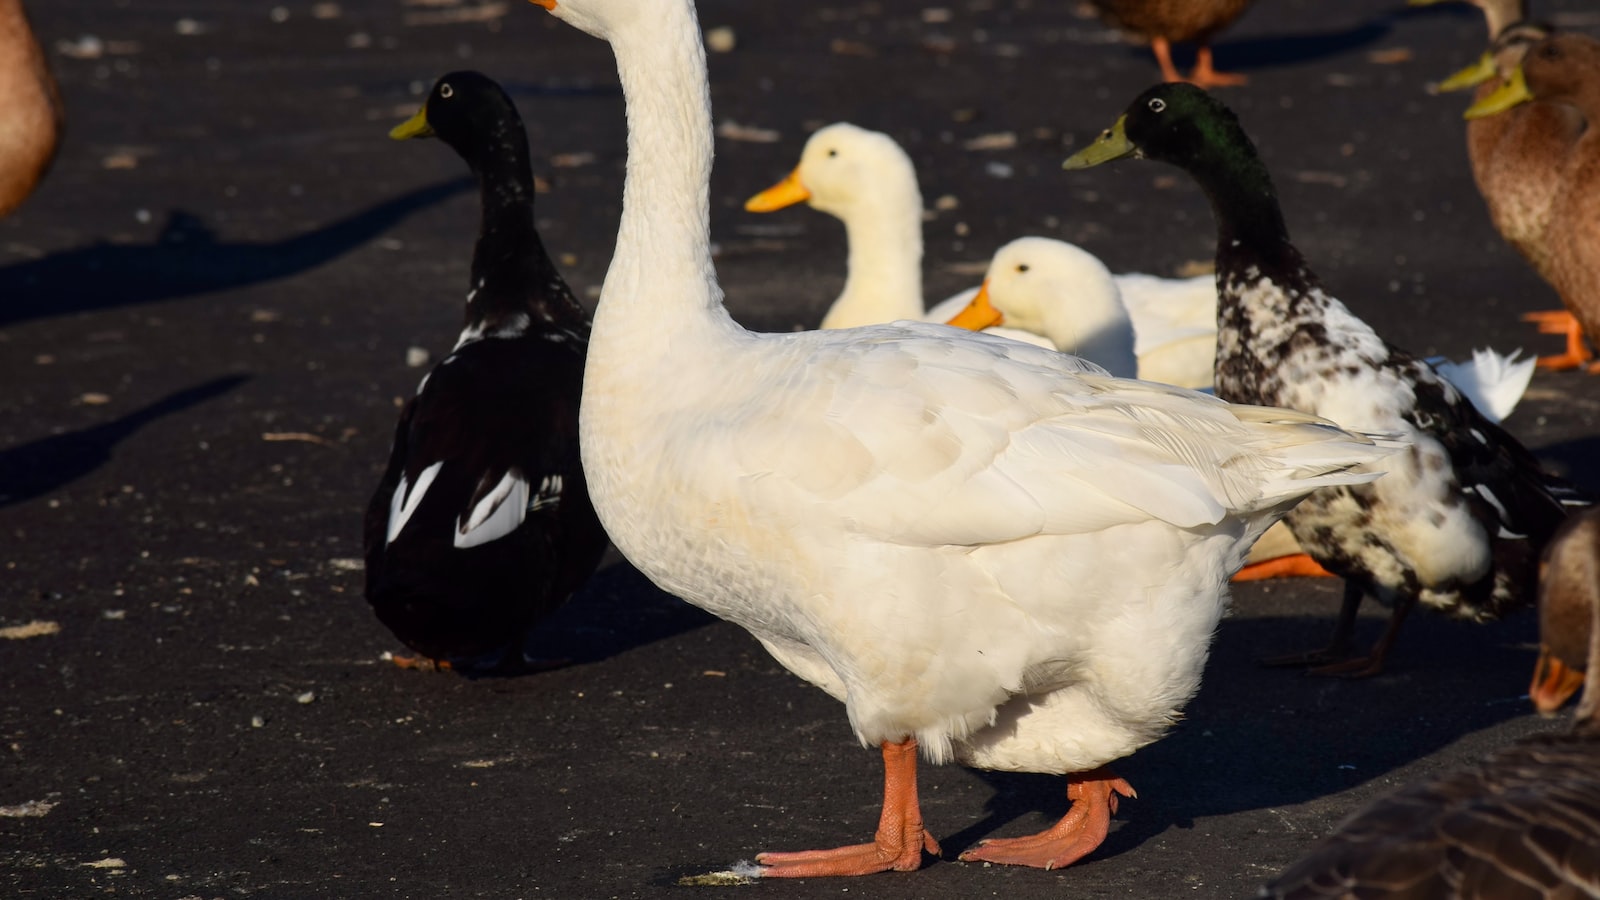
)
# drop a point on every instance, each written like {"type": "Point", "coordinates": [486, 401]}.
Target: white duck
{"type": "Point", "coordinates": [867, 181]}
{"type": "Point", "coordinates": [1052, 288]}
{"type": "Point", "coordinates": [866, 502]}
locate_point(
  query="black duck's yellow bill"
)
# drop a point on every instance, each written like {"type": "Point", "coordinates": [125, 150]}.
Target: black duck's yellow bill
{"type": "Point", "coordinates": [787, 192]}
{"type": "Point", "coordinates": [1112, 144]}
{"type": "Point", "coordinates": [415, 127]}
{"type": "Point", "coordinates": [979, 314]}
{"type": "Point", "coordinates": [1480, 71]}
{"type": "Point", "coordinates": [1507, 95]}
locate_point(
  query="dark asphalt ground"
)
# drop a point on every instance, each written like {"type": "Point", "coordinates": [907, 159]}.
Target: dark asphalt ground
{"type": "Point", "coordinates": [204, 321]}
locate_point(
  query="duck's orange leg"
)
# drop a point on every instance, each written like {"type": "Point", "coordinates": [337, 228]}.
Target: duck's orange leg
{"type": "Point", "coordinates": [1163, 51]}
{"type": "Point", "coordinates": [421, 663]}
{"type": "Point", "coordinates": [1207, 77]}
{"type": "Point", "coordinates": [900, 840]}
{"type": "Point", "coordinates": [1291, 566]}
{"type": "Point", "coordinates": [1559, 321]}
{"type": "Point", "coordinates": [1094, 798]}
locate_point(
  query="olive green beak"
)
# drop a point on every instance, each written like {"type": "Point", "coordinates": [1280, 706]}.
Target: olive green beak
{"type": "Point", "coordinates": [1507, 95]}
{"type": "Point", "coordinates": [1112, 144]}
{"type": "Point", "coordinates": [415, 127]}
{"type": "Point", "coordinates": [1480, 71]}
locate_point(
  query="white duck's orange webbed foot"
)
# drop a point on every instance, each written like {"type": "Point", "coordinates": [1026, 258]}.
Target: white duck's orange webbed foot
{"type": "Point", "coordinates": [1084, 827]}
{"type": "Point", "coordinates": [900, 840]}
{"type": "Point", "coordinates": [1295, 565]}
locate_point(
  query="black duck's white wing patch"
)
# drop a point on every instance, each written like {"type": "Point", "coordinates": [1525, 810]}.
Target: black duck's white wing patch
{"type": "Point", "coordinates": [549, 494]}
{"type": "Point", "coordinates": [407, 498]}
{"type": "Point", "coordinates": [496, 515]}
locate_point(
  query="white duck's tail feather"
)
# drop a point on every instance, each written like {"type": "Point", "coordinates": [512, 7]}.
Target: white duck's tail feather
{"type": "Point", "coordinates": [1493, 382]}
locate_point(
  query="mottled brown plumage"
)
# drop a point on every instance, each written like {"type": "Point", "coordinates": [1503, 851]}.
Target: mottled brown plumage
{"type": "Point", "coordinates": [1522, 823]}
{"type": "Point", "coordinates": [1515, 155]}
{"type": "Point", "coordinates": [30, 108]}
{"type": "Point", "coordinates": [1165, 22]}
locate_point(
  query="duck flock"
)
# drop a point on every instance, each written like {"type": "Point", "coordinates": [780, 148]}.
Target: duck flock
{"type": "Point", "coordinates": [1000, 528]}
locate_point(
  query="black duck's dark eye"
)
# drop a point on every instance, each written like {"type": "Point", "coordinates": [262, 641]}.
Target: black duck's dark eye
{"type": "Point", "coordinates": [1022, 267]}
{"type": "Point", "coordinates": [446, 91]}
{"type": "Point", "coordinates": [1157, 104]}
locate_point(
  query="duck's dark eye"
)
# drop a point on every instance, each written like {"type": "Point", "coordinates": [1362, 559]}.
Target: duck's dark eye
{"type": "Point", "coordinates": [1022, 267]}
{"type": "Point", "coordinates": [1550, 51]}
{"type": "Point", "coordinates": [833, 153]}
{"type": "Point", "coordinates": [446, 91]}
{"type": "Point", "coordinates": [1157, 104]}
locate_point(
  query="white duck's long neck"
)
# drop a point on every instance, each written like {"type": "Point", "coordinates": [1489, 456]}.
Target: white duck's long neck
{"type": "Point", "coordinates": [885, 275]}
{"type": "Point", "coordinates": [661, 288]}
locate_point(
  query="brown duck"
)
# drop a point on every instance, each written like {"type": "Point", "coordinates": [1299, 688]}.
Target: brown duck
{"type": "Point", "coordinates": [1557, 154]}
{"type": "Point", "coordinates": [1520, 824]}
{"type": "Point", "coordinates": [30, 108]}
{"type": "Point", "coordinates": [1165, 22]}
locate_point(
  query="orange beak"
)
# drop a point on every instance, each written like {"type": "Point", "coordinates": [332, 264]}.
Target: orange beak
{"type": "Point", "coordinates": [547, 4]}
{"type": "Point", "coordinates": [1553, 683]}
{"type": "Point", "coordinates": [787, 192]}
{"type": "Point", "coordinates": [979, 314]}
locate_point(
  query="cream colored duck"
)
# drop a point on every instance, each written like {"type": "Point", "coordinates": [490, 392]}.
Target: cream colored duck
{"type": "Point", "coordinates": [30, 108]}
{"type": "Point", "coordinates": [868, 182]}
{"type": "Point", "coordinates": [988, 551]}
{"type": "Point", "coordinates": [1051, 288]}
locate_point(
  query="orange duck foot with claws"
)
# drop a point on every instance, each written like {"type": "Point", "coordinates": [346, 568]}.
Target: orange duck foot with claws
{"type": "Point", "coordinates": [1559, 321]}
{"type": "Point", "coordinates": [900, 840]}
{"type": "Point", "coordinates": [1094, 798]}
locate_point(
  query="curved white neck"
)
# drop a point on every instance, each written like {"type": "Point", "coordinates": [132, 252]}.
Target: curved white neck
{"type": "Point", "coordinates": [661, 283]}
{"type": "Point", "coordinates": [884, 281]}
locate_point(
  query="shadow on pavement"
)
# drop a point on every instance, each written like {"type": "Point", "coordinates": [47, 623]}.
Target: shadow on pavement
{"type": "Point", "coordinates": [41, 466]}
{"type": "Point", "coordinates": [186, 259]}
{"type": "Point", "coordinates": [1259, 738]}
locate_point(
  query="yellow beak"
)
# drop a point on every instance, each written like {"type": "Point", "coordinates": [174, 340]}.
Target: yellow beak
{"type": "Point", "coordinates": [1480, 71]}
{"type": "Point", "coordinates": [1507, 95]}
{"type": "Point", "coordinates": [415, 127]}
{"type": "Point", "coordinates": [979, 314]}
{"type": "Point", "coordinates": [1112, 144]}
{"type": "Point", "coordinates": [787, 192]}
{"type": "Point", "coordinates": [547, 4]}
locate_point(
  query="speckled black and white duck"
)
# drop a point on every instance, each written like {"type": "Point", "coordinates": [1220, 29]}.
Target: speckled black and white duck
{"type": "Point", "coordinates": [1458, 522]}
{"type": "Point", "coordinates": [1521, 824]}
{"type": "Point", "coordinates": [482, 524]}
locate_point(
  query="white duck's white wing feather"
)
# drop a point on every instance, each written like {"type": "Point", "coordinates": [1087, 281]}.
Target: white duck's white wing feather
{"type": "Point", "coordinates": [955, 442]}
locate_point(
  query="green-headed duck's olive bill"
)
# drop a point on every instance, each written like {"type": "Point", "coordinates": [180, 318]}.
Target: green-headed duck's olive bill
{"type": "Point", "coordinates": [1111, 144]}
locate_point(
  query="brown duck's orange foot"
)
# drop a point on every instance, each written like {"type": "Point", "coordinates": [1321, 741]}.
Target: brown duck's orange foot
{"type": "Point", "coordinates": [1207, 77]}
{"type": "Point", "coordinates": [1559, 321]}
{"type": "Point", "coordinates": [1084, 827]}
{"type": "Point", "coordinates": [900, 840]}
{"type": "Point", "coordinates": [421, 663]}
{"type": "Point", "coordinates": [1295, 565]}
